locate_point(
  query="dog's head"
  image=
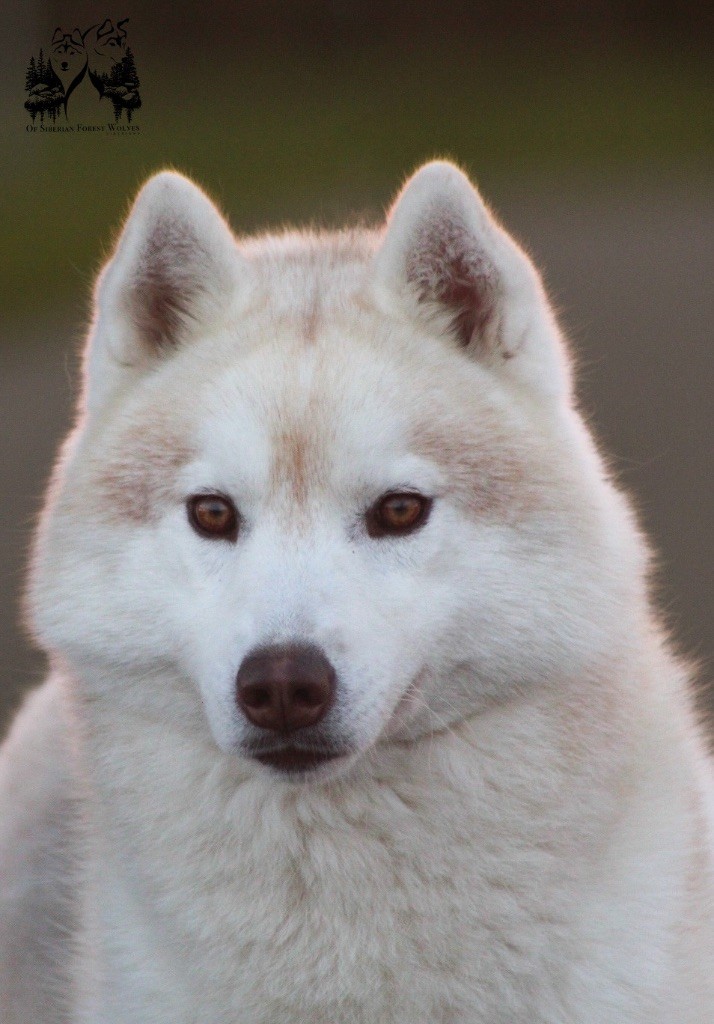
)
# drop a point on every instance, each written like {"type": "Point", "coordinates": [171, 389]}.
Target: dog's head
{"type": "Point", "coordinates": [106, 45]}
{"type": "Point", "coordinates": [68, 57]}
{"type": "Point", "coordinates": [331, 487]}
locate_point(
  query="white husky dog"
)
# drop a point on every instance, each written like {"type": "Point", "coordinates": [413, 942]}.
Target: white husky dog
{"type": "Point", "coordinates": [359, 712]}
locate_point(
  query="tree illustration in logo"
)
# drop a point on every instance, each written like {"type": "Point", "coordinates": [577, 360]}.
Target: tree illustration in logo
{"type": "Point", "coordinates": [101, 54]}
{"type": "Point", "coordinates": [46, 92]}
{"type": "Point", "coordinates": [112, 70]}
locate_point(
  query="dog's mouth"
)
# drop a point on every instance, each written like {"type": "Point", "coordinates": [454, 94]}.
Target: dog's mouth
{"type": "Point", "coordinates": [292, 760]}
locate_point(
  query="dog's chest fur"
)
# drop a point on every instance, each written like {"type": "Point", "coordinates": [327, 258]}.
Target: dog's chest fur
{"type": "Point", "coordinates": [482, 897]}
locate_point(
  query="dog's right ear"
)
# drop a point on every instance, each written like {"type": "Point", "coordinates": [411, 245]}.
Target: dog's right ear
{"type": "Point", "coordinates": [446, 262]}
{"type": "Point", "coordinates": [173, 272]}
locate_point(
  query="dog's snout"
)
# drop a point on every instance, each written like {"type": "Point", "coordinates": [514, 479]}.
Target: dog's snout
{"type": "Point", "coordinates": [285, 688]}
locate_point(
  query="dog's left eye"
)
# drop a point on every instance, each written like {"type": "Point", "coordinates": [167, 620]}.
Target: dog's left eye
{"type": "Point", "coordinates": [213, 516]}
{"type": "Point", "coordinates": [397, 514]}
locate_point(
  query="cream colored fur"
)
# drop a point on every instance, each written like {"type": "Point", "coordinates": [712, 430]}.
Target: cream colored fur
{"type": "Point", "coordinates": [520, 830]}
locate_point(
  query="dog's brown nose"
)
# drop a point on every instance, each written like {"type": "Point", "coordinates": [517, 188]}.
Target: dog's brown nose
{"type": "Point", "coordinates": [285, 688]}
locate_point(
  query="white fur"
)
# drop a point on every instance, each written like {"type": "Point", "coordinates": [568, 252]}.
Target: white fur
{"type": "Point", "coordinates": [522, 830]}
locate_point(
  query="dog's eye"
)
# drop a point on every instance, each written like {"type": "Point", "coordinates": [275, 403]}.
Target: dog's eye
{"type": "Point", "coordinates": [213, 516]}
{"type": "Point", "coordinates": [397, 513]}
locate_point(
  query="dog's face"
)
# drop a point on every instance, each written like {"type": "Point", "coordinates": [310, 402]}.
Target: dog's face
{"type": "Point", "coordinates": [68, 57]}
{"type": "Point", "coordinates": [331, 487]}
{"type": "Point", "coordinates": [106, 46]}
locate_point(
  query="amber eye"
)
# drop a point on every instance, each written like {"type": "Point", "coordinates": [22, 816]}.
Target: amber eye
{"type": "Point", "coordinates": [397, 514]}
{"type": "Point", "coordinates": [213, 516]}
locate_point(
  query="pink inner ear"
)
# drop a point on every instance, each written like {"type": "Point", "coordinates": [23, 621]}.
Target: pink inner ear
{"type": "Point", "coordinates": [167, 283]}
{"type": "Point", "coordinates": [446, 266]}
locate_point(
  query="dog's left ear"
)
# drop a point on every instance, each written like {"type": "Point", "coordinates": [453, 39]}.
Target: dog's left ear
{"type": "Point", "coordinates": [445, 261]}
{"type": "Point", "coordinates": [175, 270]}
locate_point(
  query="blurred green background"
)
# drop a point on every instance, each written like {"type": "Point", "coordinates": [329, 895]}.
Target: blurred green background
{"type": "Point", "coordinates": [589, 126]}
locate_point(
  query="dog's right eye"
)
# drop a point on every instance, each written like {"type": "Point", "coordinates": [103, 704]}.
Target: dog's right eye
{"type": "Point", "coordinates": [213, 516]}
{"type": "Point", "coordinates": [398, 513]}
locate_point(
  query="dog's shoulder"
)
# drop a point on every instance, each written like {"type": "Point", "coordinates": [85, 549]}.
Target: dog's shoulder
{"type": "Point", "coordinates": [40, 812]}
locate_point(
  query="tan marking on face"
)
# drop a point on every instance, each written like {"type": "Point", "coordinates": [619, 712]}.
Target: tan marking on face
{"type": "Point", "coordinates": [300, 449]}
{"type": "Point", "coordinates": [138, 475]}
{"type": "Point", "coordinates": [290, 464]}
{"type": "Point", "coordinates": [296, 464]}
{"type": "Point", "coordinates": [311, 319]}
{"type": "Point", "coordinates": [488, 474]}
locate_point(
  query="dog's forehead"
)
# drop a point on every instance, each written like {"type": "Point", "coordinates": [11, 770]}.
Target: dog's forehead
{"type": "Point", "coordinates": [358, 409]}
{"type": "Point", "coordinates": [317, 358]}
{"type": "Point", "coordinates": [302, 410]}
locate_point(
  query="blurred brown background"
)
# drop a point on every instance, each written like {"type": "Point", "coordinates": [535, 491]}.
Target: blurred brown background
{"type": "Point", "coordinates": [589, 126]}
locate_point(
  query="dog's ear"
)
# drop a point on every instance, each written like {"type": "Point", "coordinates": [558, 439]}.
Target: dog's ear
{"type": "Point", "coordinates": [447, 262]}
{"type": "Point", "coordinates": [173, 271]}
{"type": "Point", "coordinates": [105, 29]}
